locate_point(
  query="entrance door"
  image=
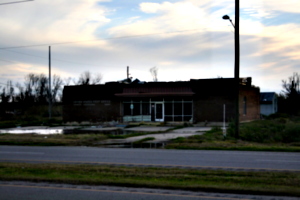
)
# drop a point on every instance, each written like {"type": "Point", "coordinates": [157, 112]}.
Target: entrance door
{"type": "Point", "coordinates": [159, 112]}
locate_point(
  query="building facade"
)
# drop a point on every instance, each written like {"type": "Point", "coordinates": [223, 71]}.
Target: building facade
{"type": "Point", "coordinates": [268, 103]}
{"type": "Point", "coordinates": [197, 100]}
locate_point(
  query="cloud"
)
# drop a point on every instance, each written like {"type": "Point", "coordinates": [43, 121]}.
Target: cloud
{"type": "Point", "coordinates": [170, 17]}
{"type": "Point", "coordinates": [184, 39]}
{"type": "Point", "coordinates": [53, 21]}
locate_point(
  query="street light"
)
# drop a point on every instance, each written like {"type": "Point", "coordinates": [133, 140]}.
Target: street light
{"type": "Point", "coordinates": [226, 17]}
{"type": "Point", "coordinates": [236, 63]}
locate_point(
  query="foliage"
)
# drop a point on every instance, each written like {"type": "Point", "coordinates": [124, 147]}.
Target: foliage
{"type": "Point", "coordinates": [279, 134]}
{"type": "Point", "coordinates": [18, 99]}
{"type": "Point", "coordinates": [270, 130]}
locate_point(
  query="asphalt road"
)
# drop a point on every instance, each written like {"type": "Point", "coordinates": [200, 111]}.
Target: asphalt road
{"type": "Point", "coordinates": [36, 191]}
{"type": "Point", "coordinates": [231, 160]}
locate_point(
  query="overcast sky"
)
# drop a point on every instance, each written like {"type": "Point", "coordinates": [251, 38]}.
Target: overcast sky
{"type": "Point", "coordinates": [184, 39]}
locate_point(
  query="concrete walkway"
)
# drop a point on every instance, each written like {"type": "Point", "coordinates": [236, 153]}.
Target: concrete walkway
{"type": "Point", "coordinates": [147, 129]}
{"type": "Point", "coordinates": [159, 137]}
{"type": "Point", "coordinates": [165, 134]}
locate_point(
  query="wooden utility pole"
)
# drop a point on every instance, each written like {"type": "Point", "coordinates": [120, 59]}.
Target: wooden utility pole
{"type": "Point", "coordinates": [50, 95]}
{"type": "Point", "coordinates": [237, 64]}
{"type": "Point", "coordinates": [127, 72]}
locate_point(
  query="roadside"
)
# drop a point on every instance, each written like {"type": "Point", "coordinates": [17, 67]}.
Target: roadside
{"type": "Point", "coordinates": [138, 136]}
{"type": "Point", "coordinates": [9, 187]}
{"type": "Point", "coordinates": [255, 183]}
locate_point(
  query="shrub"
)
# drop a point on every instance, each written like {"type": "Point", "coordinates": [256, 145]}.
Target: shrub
{"type": "Point", "coordinates": [265, 131]}
{"type": "Point", "coordinates": [291, 133]}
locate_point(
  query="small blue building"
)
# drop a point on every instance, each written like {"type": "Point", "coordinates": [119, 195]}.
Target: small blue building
{"type": "Point", "coordinates": [268, 103]}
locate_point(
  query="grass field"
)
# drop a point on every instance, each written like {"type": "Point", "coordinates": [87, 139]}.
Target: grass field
{"type": "Point", "coordinates": [271, 183]}
{"type": "Point", "coordinates": [278, 134]}
{"type": "Point", "coordinates": [262, 135]}
{"type": "Point", "coordinates": [51, 140]}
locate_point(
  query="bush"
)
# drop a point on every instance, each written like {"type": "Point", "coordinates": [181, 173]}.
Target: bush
{"type": "Point", "coordinates": [265, 131]}
{"type": "Point", "coordinates": [291, 133]}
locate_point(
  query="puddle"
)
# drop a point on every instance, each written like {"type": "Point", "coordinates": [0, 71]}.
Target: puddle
{"type": "Point", "coordinates": [63, 130]}
{"type": "Point", "coordinates": [31, 131]}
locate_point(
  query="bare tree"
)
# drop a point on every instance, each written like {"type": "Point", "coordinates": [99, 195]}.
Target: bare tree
{"type": "Point", "coordinates": [291, 93]}
{"type": "Point", "coordinates": [67, 81]}
{"type": "Point", "coordinates": [57, 84]}
{"type": "Point", "coordinates": [97, 79]}
{"type": "Point", "coordinates": [153, 72]}
{"type": "Point", "coordinates": [86, 78]}
{"type": "Point", "coordinates": [7, 94]}
{"type": "Point", "coordinates": [36, 89]}
{"type": "Point", "coordinates": [291, 86]}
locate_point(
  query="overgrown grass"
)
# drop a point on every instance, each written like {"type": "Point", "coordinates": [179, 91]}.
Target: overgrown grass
{"type": "Point", "coordinates": [51, 140]}
{"type": "Point", "coordinates": [214, 140]}
{"type": "Point", "coordinates": [269, 131]}
{"type": "Point", "coordinates": [275, 183]}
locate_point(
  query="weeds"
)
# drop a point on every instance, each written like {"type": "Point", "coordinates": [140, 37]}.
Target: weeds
{"type": "Point", "coordinates": [278, 134]}
{"type": "Point", "coordinates": [268, 131]}
{"type": "Point", "coordinates": [275, 183]}
{"type": "Point", "coordinates": [51, 140]}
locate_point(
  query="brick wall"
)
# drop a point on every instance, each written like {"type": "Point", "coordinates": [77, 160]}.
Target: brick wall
{"type": "Point", "coordinates": [252, 97]}
{"type": "Point", "coordinates": [210, 107]}
{"type": "Point", "coordinates": [92, 112]}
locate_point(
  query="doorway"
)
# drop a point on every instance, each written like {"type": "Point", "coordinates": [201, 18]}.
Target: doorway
{"type": "Point", "coordinates": [159, 112]}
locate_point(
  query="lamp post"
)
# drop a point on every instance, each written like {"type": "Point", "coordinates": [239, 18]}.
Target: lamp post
{"type": "Point", "coordinates": [236, 63]}
{"type": "Point", "coordinates": [226, 17]}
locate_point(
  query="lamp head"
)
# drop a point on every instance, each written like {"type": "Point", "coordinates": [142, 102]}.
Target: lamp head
{"type": "Point", "coordinates": [225, 17]}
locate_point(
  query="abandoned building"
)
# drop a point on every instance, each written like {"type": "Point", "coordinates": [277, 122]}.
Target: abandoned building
{"type": "Point", "coordinates": [197, 100]}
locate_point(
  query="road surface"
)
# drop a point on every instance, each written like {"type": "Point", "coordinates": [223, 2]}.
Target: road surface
{"type": "Point", "coordinates": [228, 160]}
{"type": "Point", "coordinates": [17, 190]}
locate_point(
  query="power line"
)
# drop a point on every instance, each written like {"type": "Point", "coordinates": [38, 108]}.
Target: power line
{"type": "Point", "coordinates": [112, 38]}
{"type": "Point", "coordinates": [15, 2]}
{"type": "Point", "coordinates": [8, 60]}
{"type": "Point", "coordinates": [44, 57]}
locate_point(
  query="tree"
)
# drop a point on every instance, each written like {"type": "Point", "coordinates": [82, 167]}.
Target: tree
{"type": "Point", "coordinates": [86, 78]}
{"type": "Point", "coordinates": [153, 72]}
{"type": "Point", "coordinates": [36, 89]}
{"type": "Point", "coordinates": [6, 97]}
{"type": "Point", "coordinates": [291, 86]}
{"type": "Point", "coordinates": [57, 84]}
{"type": "Point", "coordinates": [291, 93]}
{"type": "Point", "coordinates": [7, 94]}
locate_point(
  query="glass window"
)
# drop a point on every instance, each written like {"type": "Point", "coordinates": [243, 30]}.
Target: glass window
{"type": "Point", "coordinates": [136, 109]}
{"type": "Point", "coordinates": [168, 109]}
{"type": "Point", "coordinates": [146, 108]}
{"type": "Point", "coordinates": [178, 108]}
{"type": "Point", "coordinates": [187, 108]}
{"type": "Point", "coordinates": [127, 110]}
{"type": "Point", "coordinates": [168, 118]}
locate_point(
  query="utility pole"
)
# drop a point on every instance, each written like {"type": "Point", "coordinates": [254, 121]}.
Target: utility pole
{"type": "Point", "coordinates": [237, 64]}
{"type": "Point", "coordinates": [127, 72]}
{"type": "Point", "coordinates": [50, 95]}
